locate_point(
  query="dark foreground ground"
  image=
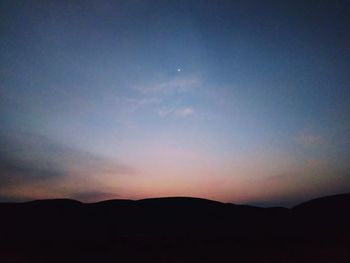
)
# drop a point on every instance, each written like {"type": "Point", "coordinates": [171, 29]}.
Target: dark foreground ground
{"type": "Point", "coordinates": [174, 230]}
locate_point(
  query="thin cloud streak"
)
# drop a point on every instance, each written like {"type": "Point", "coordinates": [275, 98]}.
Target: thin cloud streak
{"type": "Point", "coordinates": [30, 159]}
{"type": "Point", "coordinates": [170, 87]}
{"type": "Point", "coordinates": [180, 112]}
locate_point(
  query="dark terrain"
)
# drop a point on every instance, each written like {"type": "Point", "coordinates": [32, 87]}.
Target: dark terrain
{"type": "Point", "coordinates": [174, 229]}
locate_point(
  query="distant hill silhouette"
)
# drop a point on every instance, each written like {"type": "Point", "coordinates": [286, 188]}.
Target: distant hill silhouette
{"type": "Point", "coordinates": [198, 230]}
{"type": "Point", "coordinates": [338, 202]}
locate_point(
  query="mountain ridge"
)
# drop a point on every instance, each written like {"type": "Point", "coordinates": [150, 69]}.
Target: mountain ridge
{"type": "Point", "coordinates": [172, 199]}
{"type": "Point", "coordinates": [185, 229]}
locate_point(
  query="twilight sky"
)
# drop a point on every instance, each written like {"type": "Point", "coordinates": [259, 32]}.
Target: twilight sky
{"type": "Point", "coordinates": [237, 101]}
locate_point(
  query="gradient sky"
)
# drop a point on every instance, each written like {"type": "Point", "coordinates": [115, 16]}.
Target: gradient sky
{"type": "Point", "coordinates": [237, 101]}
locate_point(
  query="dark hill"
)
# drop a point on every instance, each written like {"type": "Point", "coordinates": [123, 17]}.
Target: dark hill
{"type": "Point", "coordinates": [340, 202]}
{"type": "Point", "coordinates": [180, 225]}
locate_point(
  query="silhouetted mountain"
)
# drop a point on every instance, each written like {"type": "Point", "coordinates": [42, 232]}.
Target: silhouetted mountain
{"type": "Point", "coordinates": [191, 226]}
{"type": "Point", "coordinates": [340, 202]}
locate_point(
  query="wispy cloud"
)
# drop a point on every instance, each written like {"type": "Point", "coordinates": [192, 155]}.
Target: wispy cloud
{"type": "Point", "coordinates": [180, 112]}
{"type": "Point", "coordinates": [184, 112]}
{"type": "Point", "coordinates": [133, 104]}
{"type": "Point", "coordinates": [168, 87]}
{"type": "Point", "coordinates": [309, 139]}
{"type": "Point", "coordinates": [27, 159]}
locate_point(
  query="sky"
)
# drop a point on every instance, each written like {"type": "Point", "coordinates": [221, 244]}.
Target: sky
{"type": "Point", "coordinates": [236, 101]}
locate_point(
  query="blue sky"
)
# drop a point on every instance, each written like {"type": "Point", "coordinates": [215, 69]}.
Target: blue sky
{"type": "Point", "coordinates": [244, 101]}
